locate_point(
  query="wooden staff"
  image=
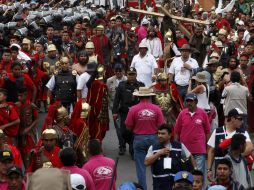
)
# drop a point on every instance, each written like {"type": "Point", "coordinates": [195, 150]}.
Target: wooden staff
{"type": "Point", "coordinates": [170, 15]}
{"type": "Point", "coordinates": [180, 26]}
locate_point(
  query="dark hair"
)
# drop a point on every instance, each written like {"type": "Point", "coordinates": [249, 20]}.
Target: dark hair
{"type": "Point", "coordinates": [94, 147]}
{"type": "Point", "coordinates": [7, 50]}
{"type": "Point", "coordinates": [237, 141]}
{"type": "Point", "coordinates": [68, 157]}
{"type": "Point", "coordinates": [224, 161]}
{"type": "Point", "coordinates": [235, 76]}
{"type": "Point", "coordinates": [166, 127]}
{"type": "Point", "coordinates": [181, 188]}
{"type": "Point", "coordinates": [14, 48]}
{"type": "Point", "coordinates": [16, 64]}
{"type": "Point", "coordinates": [235, 58]}
{"type": "Point", "coordinates": [198, 172]}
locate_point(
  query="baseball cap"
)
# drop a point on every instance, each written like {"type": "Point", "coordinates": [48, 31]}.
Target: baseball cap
{"type": "Point", "coordinates": [235, 112]}
{"type": "Point", "coordinates": [132, 70]}
{"type": "Point", "coordinates": [118, 66]}
{"type": "Point", "coordinates": [191, 96]}
{"type": "Point", "coordinates": [217, 187]}
{"type": "Point", "coordinates": [5, 155]}
{"type": "Point", "coordinates": [14, 169]}
{"type": "Point", "coordinates": [183, 175]}
{"type": "Point", "coordinates": [78, 182]}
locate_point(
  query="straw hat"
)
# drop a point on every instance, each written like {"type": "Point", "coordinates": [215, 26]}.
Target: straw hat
{"type": "Point", "coordinates": [185, 47]}
{"type": "Point", "coordinates": [144, 91]}
{"type": "Point", "coordinates": [200, 77]}
{"type": "Point", "coordinates": [51, 47]}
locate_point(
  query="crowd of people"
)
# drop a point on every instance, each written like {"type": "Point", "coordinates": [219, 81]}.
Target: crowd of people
{"type": "Point", "coordinates": [179, 93]}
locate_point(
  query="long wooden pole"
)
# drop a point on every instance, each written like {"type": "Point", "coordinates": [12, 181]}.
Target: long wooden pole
{"type": "Point", "coordinates": [170, 15]}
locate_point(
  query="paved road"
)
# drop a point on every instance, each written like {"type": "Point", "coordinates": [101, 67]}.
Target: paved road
{"type": "Point", "coordinates": [126, 167]}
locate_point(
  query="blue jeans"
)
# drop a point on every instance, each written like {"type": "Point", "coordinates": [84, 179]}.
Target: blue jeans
{"type": "Point", "coordinates": [141, 145]}
{"type": "Point", "coordinates": [200, 160]}
{"type": "Point", "coordinates": [182, 90]}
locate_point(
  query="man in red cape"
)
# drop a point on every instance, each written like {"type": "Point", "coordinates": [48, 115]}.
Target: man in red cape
{"type": "Point", "coordinates": [98, 119]}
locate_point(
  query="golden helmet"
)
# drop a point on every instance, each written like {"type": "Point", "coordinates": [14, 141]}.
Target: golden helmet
{"type": "Point", "coordinates": [162, 76]}
{"type": "Point", "coordinates": [169, 36]}
{"type": "Point", "coordinates": [101, 72]}
{"type": "Point", "coordinates": [85, 110]}
{"type": "Point", "coordinates": [61, 113]}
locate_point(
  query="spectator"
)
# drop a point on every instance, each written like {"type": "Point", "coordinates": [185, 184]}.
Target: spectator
{"type": "Point", "coordinates": [223, 176]}
{"type": "Point", "coordinates": [183, 179]}
{"type": "Point", "coordinates": [198, 180]}
{"type": "Point", "coordinates": [236, 96]}
{"type": "Point", "coordinates": [240, 169]}
{"type": "Point", "coordinates": [193, 129]}
{"type": "Point", "coordinates": [181, 68]}
{"type": "Point", "coordinates": [15, 179]}
{"type": "Point", "coordinates": [69, 157]}
{"type": "Point", "coordinates": [78, 182]}
{"type": "Point", "coordinates": [145, 64]}
{"type": "Point", "coordinates": [101, 168]}
{"type": "Point", "coordinates": [233, 124]}
{"type": "Point", "coordinates": [143, 120]}
{"type": "Point", "coordinates": [164, 150]}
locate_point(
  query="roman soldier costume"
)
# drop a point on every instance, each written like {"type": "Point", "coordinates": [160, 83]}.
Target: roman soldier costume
{"type": "Point", "coordinates": [98, 119]}
{"type": "Point", "coordinates": [167, 98]}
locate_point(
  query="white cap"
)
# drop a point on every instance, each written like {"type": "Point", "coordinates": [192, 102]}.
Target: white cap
{"type": "Point", "coordinates": [89, 45]}
{"type": "Point", "coordinates": [51, 47]}
{"type": "Point", "coordinates": [143, 45]}
{"type": "Point", "coordinates": [78, 182]}
{"type": "Point", "coordinates": [144, 21]}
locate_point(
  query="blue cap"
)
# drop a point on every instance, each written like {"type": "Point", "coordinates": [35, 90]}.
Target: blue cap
{"type": "Point", "coordinates": [217, 187]}
{"type": "Point", "coordinates": [183, 175]}
{"type": "Point", "coordinates": [191, 96]}
{"type": "Point", "coordinates": [118, 66]}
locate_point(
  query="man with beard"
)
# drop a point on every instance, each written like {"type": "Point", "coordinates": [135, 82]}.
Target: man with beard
{"type": "Point", "coordinates": [153, 43]}
{"type": "Point", "coordinates": [93, 57]}
{"type": "Point", "coordinates": [63, 85]}
{"type": "Point", "coordinates": [80, 67]}
{"type": "Point", "coordinates": [47, 153]}
{"type": "Point", "coordinates": [160, 152]}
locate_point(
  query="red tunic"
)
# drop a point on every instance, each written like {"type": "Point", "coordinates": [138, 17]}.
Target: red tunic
{"type": "Point", "coordinates": [53, 157]}
{"type": "Point", "coordinates": [100, 43]}
{"type": "Point", "coordinates": [41, 90]}
{"type": "Point", "coordinates": [8, 114]}
{"type": "Point", "coordinates": [98, 123]}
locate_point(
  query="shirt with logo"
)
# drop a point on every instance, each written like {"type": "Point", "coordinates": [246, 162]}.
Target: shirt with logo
{"type": "Point", "coordinates": [192, 130]}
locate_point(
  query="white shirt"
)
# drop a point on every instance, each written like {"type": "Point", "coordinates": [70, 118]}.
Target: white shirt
{"type": "Point", "coordinates": [211, 141]}
{"type": "Point", "coordinates": [81, 84]}
{"type": "Point", "coordinates": [182, 75]}
{"type": "Point", "coordinates": [154, 47]}
{"type": "Point", "coordinates": [145, 68]}
{"type": "Point", "coordinates": [185, 152]}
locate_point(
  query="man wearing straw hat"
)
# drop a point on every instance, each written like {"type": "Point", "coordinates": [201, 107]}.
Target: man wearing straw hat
{"type": "Point", "coordinates": [143, 120]}
{"type": "Point", "coordinates": [181, 68]}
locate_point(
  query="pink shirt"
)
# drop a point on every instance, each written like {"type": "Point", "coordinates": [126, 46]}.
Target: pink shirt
{"type": "Point", "coordinates": [144, 118]}
{"type": "Point", "coordinates": [75, 170]}
{"type": "Point", "coordinates": [192, 130]}
{"type": "Point", "coordinates": [101, 170]}
{"type": "Point", "coordinates": [142, 33]}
